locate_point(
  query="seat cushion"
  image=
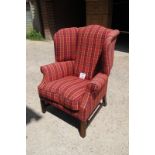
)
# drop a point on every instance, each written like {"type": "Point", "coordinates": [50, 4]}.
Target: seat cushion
{"type": "Point", "coordinates": [67, 91]}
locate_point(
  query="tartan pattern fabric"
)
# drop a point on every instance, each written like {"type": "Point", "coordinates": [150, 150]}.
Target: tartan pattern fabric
{"type": "Point", "coordinates": [108, 50]}
{"type": "Point", "coordinates": [87, 105]}
{"type": "Point", "coordinates": [90, 40]}
{"type": "Point", "coordinates": [65, 43]}
{"type": "Point", "coordinates": [96, 84]}
{"type": "Point", "coordinates": [55, 71]}
{"type": "Point", "coordinates": [67, 91]}
{"type": "Point", "coordinates": [89, 102]}
{"type": "Point", "coordinates": [79, 50]}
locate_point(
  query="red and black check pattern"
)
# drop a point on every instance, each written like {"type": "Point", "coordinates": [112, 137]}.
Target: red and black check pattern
{"type": "Point", "coordinates": [65, 43]}
{"type": "Point", "coordinates": [55, 71]}
{"type": "Point", "coordinates": [89, 46]}
{"type": "Point", "coordinates": [86, 105]}
{"type": "Point", "coordinates": [67, 91]}
{"type": "Point", "coordinates": [78, 50]}
{"type": "Point", "coordinates": [89, 102]}
{"type": "Point", "coordinates": [108, 50]}
{"type": "Point", "coordinates": [97, 83]}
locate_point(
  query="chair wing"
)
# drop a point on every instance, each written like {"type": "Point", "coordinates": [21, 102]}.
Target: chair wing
{"type": "Point", "coordinates": [65, 43]}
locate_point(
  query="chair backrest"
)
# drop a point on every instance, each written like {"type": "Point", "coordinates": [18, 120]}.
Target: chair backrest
{"type": "Point", "coordinates": [89, 47]}
{"type": "Point", "coordinates": [92, 48]}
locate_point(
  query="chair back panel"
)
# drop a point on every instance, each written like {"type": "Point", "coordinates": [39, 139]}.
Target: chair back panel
{"type": "Point", "coordinates": [65, 43]}
{"type": "Point", "coordinates": [89, 47]}
{"type": "Point", "coordinates": [92, 48]}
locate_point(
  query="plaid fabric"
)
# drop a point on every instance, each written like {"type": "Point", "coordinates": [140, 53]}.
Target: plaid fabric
{"type": "Point", "coordinates": [65, 41]}
{"type": "Point", "coordinates": [56, 71]}
{"type": "Point", "coordinates": [87, 104]}
{"type": "Point", "coordinates": [67, 91]}
{"type": "Point", "coordinates": [61, 86]}
{"type": "Point", "coordinates": [89, 48]}
{"type": "Point", "coordinates": [96, 84]}
{"type": "Point", "coordinates": [108, 50]}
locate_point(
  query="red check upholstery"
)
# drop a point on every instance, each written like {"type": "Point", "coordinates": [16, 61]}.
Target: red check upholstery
{"type": "Point", "coordinates": [65, 43]}
{"type": "Point", "coordinates": [108, 47]}
{"type": "Point", "coordinates": [67, 91]}
{"type": "Point", "coordinates": [90, 40]}
{"type": "Point", "coordinates": [87, 104]}
{"type": "Point", "coordinates": [57, 70]}
{"type": "Point", "coordinates": [96, 84]}
{"type": "Point", "coordinates": [86, 50]}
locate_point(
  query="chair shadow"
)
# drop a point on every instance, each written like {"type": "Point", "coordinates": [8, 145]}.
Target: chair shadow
{"type": "Point", "coordinates": [30, 114]}
{"type": "Point", "coordinates": [63, 116]}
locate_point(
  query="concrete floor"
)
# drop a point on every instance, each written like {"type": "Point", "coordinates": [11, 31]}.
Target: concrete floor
{"type": "Point", "coordinates": [54, 133]}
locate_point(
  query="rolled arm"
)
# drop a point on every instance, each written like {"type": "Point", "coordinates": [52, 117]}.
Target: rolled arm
{"type": "Point", "coordinates": [97, 83]}
{"type": "Point", "coordinates": [96, 89]}
{"type": "Point", "coordinates": [57, 70]}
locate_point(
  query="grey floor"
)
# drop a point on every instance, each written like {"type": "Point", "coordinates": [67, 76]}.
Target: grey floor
{"type": "Point", "coordinates": [54, 133]}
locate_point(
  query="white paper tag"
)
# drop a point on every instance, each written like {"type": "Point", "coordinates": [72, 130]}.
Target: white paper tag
{"type": "Point", "coordinates": [82, 76]}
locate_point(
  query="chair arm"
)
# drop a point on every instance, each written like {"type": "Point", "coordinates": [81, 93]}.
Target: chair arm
{"type": "Point", "coordinates": [57, 70]}
{"type": "Point", "coordinates": [97, 83]}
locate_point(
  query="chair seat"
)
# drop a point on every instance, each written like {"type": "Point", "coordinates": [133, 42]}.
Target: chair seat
{"type": "Point", "coordinates": [67, 91]}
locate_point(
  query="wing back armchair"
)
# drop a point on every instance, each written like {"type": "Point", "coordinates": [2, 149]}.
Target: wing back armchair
{"type": "Point", "coordinates": [77, 81]}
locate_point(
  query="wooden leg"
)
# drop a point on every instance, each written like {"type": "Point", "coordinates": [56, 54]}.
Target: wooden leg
{"type": "Point", "coordinates": [43, 106]}
{"type": "Point", "coordinates": [82, 129]}
{"type": "Point", "coordinates": [104, 101]}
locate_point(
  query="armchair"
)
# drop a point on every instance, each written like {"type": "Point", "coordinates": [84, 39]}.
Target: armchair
{"type": "Point", "coordinates": [78, 80]}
